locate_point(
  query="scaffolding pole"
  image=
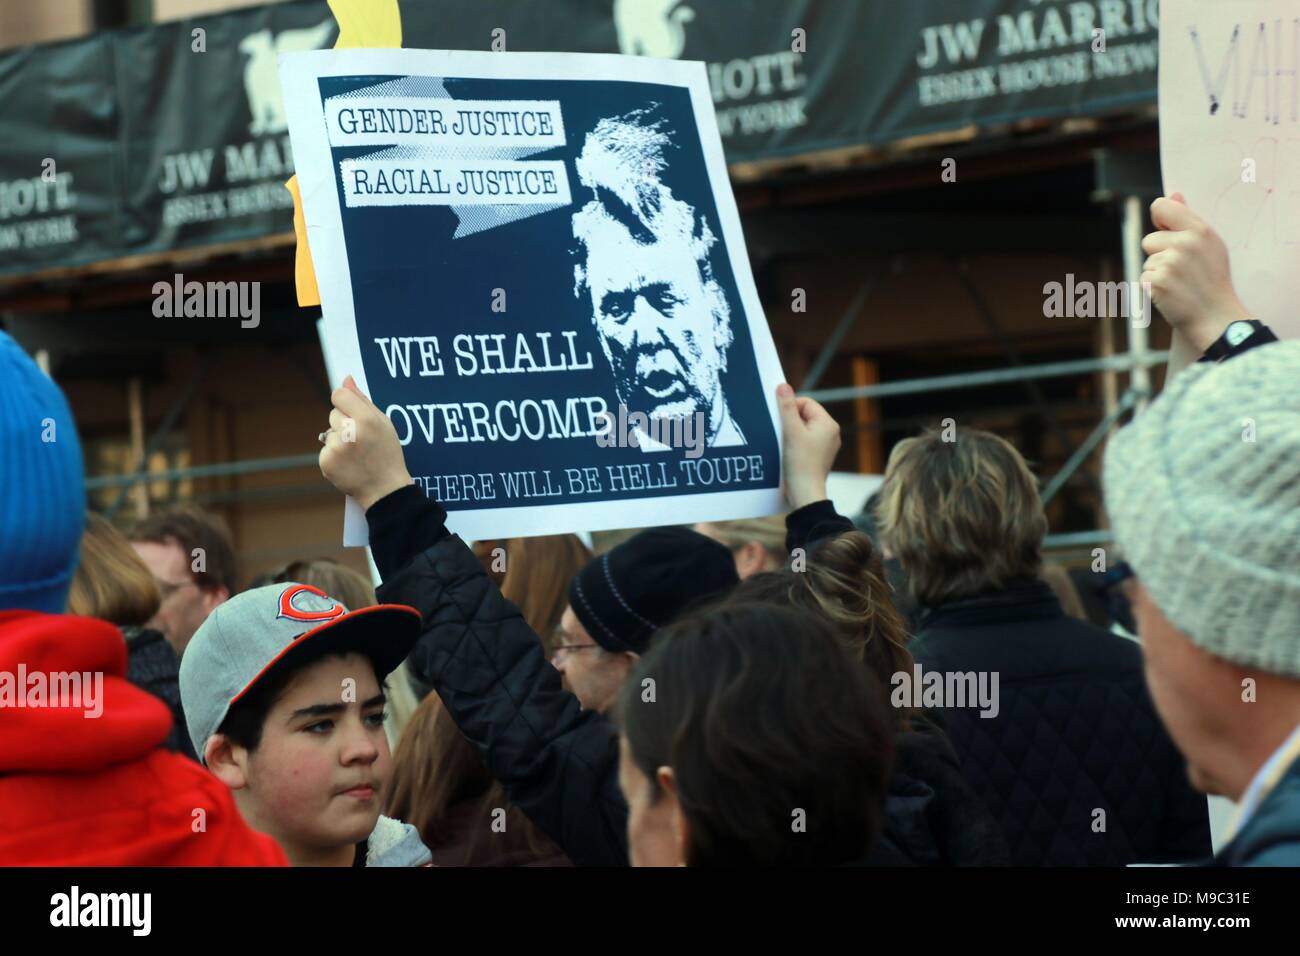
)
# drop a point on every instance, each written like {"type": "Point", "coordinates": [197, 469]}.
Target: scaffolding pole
{"type": "Point", "coordinates": [1077, 539]}
{"type": "Point", "coordinates": [997, 376]}
{"type": "Point", "coordinates": [141, 455]}
{"type": "Point", "coordinates": [911, 386]}
{"type": "Point", "coordinates": [832, 344]}
{"type": "Point", "coordinates": [1085, 449]}
{"type": "Point", "coordinates": [1139, 323]}
{"type": "Point", "coordinates": [206, 471]}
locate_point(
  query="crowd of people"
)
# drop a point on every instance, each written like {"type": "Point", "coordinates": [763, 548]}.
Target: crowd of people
{"type": "Point", "coordinates": [916, 689]}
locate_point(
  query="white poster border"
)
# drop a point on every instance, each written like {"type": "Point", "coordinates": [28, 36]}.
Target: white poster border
{"type": "Point", "coordinates": [299, 76]}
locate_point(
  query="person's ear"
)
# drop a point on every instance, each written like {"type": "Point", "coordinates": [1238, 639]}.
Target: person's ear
{"type": "Point", "coordinates": [227, 761]}
{"type": "Point", "coordinates": [750, 558]}
{"type": "Point", "coordinates": [667, 781]}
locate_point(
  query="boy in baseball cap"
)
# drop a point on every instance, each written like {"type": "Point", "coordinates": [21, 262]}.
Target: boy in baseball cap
{"type": "Point", "coordinates": [283, 693]}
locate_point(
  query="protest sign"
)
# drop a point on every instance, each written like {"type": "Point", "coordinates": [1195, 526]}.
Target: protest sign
{"type": "Point", "coordinates": [849, 491]}
{"type": "Point", "coordinates": [1230, 138]}
{"type": "Point", "coordinates": [534, 265]}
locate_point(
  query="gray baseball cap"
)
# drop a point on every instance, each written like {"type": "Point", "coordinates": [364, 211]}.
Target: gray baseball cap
{"type": "Point", "coordinates": [275, 628]}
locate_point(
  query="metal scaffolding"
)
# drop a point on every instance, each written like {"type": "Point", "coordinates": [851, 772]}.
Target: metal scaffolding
{"type": "Point", "coordinates": [1136, 360]}
{"type": "Point", "coordinates": [1131, 399]}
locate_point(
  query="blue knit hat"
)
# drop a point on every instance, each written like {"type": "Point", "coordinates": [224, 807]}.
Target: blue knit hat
{"type": "Point", "coordinates": [42, 487]}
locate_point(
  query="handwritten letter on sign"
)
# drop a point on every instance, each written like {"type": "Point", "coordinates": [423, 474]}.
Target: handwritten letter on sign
{"type": "Point", "coordinates": [1230, 138]}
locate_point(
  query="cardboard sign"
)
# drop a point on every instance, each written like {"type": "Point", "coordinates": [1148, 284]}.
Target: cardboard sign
{"type": "Point", "coordinates": [1230, 138]}
{"type": "Point", "coordinates": [534, 264]}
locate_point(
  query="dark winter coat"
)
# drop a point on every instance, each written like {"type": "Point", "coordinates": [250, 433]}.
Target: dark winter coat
{"type": "Point", "coordinates": [932, 816]}
{"type": "Point", "coordinates": [1271, 837]}
{"type": "Point", "coordinates": [1075, 766]}
{"type": "Point", "coordinates": [152, 665]}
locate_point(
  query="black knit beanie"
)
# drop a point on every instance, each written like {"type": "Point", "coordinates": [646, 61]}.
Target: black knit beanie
{"type": "Point", "coordinates": [623, 596]}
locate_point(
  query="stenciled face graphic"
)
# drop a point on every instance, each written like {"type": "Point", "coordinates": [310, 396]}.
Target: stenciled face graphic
{"type": "Point", "coordinates": [656, 321]}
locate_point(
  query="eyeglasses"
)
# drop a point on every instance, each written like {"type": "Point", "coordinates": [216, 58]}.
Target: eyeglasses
{"type": "Point", "coordinates": [570, 648]}
{"type": "Point", "coordinates": [167, 588]}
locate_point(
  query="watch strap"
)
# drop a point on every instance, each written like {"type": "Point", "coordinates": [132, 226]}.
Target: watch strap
{"type": "Point", "coordinates": [1227, 345]}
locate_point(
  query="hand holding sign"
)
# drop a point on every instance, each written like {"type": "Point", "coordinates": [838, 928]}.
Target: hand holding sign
{"type": "Point", "coordinates": [534, 266]}
{"type": "Point", "coordinates": [811, 440]}
{"type": "Point", "coordinates": [362, 456]}
{"type": "Point", "coordinates": [1189, 275]}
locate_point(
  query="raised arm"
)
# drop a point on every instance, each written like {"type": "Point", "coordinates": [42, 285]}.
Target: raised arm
{"type": "Point", "coordinates": [1190, 278]}
{"type": "Point", "coordinates": [810, 440]}
{"type": "Point", "coordinates": [559, 764]}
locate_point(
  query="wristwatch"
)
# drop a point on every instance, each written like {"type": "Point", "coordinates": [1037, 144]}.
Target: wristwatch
{"type": "Point", "coordinates": [1233, 337]}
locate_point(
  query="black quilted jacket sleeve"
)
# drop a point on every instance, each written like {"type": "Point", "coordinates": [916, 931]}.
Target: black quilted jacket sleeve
{"type": "Point", "coordinates": [559, 764]}
{"type": "Point", "coordinates": [809, 524]}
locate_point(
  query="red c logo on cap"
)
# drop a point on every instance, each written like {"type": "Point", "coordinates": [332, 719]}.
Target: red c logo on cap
{"type": "Point", "coordinates": [288, 610]}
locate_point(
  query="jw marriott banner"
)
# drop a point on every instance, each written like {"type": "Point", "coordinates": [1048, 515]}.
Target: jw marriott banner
{"type": "Point", "coordinates": [174, 135]}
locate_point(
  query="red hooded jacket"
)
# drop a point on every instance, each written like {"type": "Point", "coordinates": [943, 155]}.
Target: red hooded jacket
{"type": "Point", "coordinates": [78, 789]}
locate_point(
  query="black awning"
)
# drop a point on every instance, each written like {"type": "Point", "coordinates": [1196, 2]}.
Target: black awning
{"type": "Point", "coordinates": [172, 135]}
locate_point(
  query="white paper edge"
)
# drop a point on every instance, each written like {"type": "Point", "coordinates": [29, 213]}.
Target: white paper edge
{"type": "Point", "coordinates": [356, 531]}
{"type": "Point", "coordinates": [323, 219]}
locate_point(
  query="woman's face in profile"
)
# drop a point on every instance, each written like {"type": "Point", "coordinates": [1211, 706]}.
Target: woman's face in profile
{"type": "Point", "coordinates": [655, 830]}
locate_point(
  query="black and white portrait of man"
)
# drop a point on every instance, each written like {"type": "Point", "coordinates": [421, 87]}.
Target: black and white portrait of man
{"type": "Point", "coordinates": [643, 266]}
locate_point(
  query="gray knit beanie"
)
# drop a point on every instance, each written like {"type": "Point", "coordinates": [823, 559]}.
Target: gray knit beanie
{"type": "Point", "coordinates": [1203, 491]}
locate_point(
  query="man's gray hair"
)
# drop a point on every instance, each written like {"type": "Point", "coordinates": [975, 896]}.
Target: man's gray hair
{"type": "Point", "coordinates": [620, 163]}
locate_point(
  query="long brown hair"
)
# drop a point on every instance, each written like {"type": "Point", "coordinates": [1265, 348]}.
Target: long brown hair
{"type": "Point", "coordinates": [842, 581]}
{"type": "Point", "coordinates": [111, 582]}
{"type": "Point", "coordinates": [435, 767]}
{"type": "Point", "coordinates": [335, 579]}
{"type": "Point", "coordinates": [534, 575]}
